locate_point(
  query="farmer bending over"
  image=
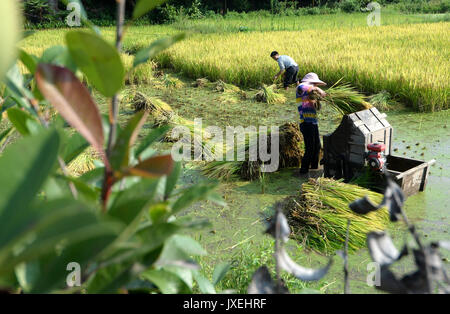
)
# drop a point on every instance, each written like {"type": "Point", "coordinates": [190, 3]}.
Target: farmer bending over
{"type": "Point", "coordinates": [308, 120]}
{"type": "Point", "coordinates": [288, 67]}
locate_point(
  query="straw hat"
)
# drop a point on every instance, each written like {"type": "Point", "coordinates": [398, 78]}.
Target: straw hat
{"type": "Point", "coordinates": [313, 78]}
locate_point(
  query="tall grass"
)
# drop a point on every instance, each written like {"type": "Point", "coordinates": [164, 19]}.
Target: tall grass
{"type": "Point", "coordinates": [408, 61]}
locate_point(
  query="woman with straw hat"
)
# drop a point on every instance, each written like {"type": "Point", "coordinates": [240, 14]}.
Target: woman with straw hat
{"type": "Point", "coordinates": [308, 120]}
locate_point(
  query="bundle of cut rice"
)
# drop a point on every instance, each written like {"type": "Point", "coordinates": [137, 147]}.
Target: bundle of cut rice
{"type": "Point", "coordinates": [172, 82]}
{"type": "Point", "coordinates": [201, 82]}
{"type": "Point", "coordinates": [344, 99]}
{"type": "Point", "coordinates": [290, 154]}
{"type": "Point", "coordinates": [155, 106]}
{"type": "Point", "coordinates": [318, 216]}
{"type": "Point", "coordinates": [268, 95]}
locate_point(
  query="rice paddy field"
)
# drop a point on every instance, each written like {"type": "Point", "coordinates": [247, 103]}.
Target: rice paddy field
{"type": "Point", "coordinates": [407, 58]}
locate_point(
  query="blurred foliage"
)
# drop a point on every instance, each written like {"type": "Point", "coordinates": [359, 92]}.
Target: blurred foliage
{"type": "Point", "coordinates": [117, 219]}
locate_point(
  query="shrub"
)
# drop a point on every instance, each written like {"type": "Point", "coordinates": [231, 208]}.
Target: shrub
{"type": "Point", "coordinates": [349, 6]}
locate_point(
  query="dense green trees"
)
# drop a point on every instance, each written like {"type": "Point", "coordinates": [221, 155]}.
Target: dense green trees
{"type": "Point", "coordinates": [51, 13]}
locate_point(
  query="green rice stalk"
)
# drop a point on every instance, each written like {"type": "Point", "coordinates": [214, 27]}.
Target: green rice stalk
{"type": "Point", "coordinates": [344, 98]}
{"type": "Point", "coordinates": [383, 101]}
{"type": "Point", "coordinates": [318, 216]}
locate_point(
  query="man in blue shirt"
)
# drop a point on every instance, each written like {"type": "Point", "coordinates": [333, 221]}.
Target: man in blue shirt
{"type": "Point", "coordinates": [287, 66]}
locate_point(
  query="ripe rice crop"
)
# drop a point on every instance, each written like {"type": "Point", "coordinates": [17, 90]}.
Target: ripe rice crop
{"type": "Point", "coordinates": [408, 61]}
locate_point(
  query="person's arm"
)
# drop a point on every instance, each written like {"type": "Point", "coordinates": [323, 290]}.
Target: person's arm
{"type": "Point", "coordinates": [282, 69]}
{"type": "Point", "coordinates": [320, 91]}
{"type": "Point", "coordinates": [279, 73]}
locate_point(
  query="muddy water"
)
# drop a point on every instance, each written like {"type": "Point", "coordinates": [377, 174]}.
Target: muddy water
{"type": "Point", "coordinates": [423, 136]}
{"type": "Point", "coordinates": [416, 135]}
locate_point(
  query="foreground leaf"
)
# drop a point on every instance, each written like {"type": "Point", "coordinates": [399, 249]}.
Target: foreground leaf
{"type": "Point", "coordinates": [10, 33]}
{"type": "Point", "coordinates": [156, 47]}
{"type": "Point", "coordinates": [120, 154]}
{"type": "Point", "coordinates": [73, 101]}
{"type": "Point", "coordinates": [382, 249]}
{"type": "Point", "coordinates": [262, 283]}
{"type": "Point", "coordinates": [24, 123]}
{"type": "Point", "coordinates": [36, 156]}
{"type": "Point", "coordinates": [98, 59]}
{"type": "Point", "coordinates": [300, 272]}
{"type": "Point", "coordinates": [167, 282]}
{"type": "Point", "coordinates": [153, 167]}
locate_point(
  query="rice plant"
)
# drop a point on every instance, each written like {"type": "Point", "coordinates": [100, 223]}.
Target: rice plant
{"type": "Point", "coordinates": [383, 101]}
{"type": "Point", "coordinates": [396, 58]}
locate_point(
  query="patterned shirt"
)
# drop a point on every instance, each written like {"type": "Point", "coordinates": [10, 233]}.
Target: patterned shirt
{"type": "Point", "coordinates": [306, 107]}
{"type": "Point", "coordinates": [285, 62]}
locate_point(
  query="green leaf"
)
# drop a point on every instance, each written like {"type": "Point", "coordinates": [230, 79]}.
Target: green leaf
{"type": "Point", "coordinates": [87, 192]}
{"type": "Point", "coordinates": [24, 123]}
{"type": "Point", "coordinates": [120, 154]}
{"type": "Point", "coordinates": [219, 272]}
{"type": "Point", "coordinates": [36, 156]}
{"type": "Point", "coordinates": [193, 194]}
{"type": "Point", "coordinates": [98, 59]}
{"type": "Point", "coordinates": [84, 242]}
{"type": "Point", "coordinates": [130, 202]}
{"type": "Point", "coordinates": [172, 180]}
{"type": "Point", "coordinates": [26, 274]}
{"type": "Point", "coordinates": [167, 282]}
{"type": "Point", "coordinates": [144, 6]}
{"type": "Point", "coordinates": [204, 285]}
{"type": "Point", "coordinates": [179, 248]}
{"type": "Point", "coordinates": [10, 25]}
{"type": "Point", "coordinates": [152, 137]}
{"type": "Point", "coordinates": [143, 55]}
{"type": "Point", "coordinates": [183, 273]}
{"type": "Point", "coordinates": [58, 55]}
{"type": "Point", "coordinates": [30, 61]}
{"type": "Point", "coordinates": [47, 228]}
{"type": "Point", "coordinates": [109, 279]}
{"type": "Point", "coordinates": [15, 83]}
{"type": "Point", "coordinates": [73, 101]}
{"type": "Point", "coordinates": [73, 147]}
{"type": "Point", "coordinates": [153, 167]}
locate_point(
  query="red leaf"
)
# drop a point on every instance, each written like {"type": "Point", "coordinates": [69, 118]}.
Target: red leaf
{"type": "Point", "coordinates": [152, 167]}
{"type": "Point", "coordinates": [73, 101]}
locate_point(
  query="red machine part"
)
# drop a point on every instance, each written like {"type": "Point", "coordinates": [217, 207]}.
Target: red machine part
{"type": "Point", "coordinates": [375, 156]}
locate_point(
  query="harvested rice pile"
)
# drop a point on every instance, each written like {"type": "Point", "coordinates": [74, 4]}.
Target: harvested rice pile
{"type": "Point", "coordinates": [162, 114]}
{"type": "Point", "coordinates": [268, 95]}
{"type": "Point", "coordinates": [155, 106]}
{"type": "Point", "coordinates": [318, 216]}
{"type": "Point", "coordinates": [290, 149]}
{"type": "Point", "coordinates": [172, 82]}
{"type": "Point", "coordinates": [344, 99]}
{"type": "Point", "coordinates": [201, 82]}
{"type": "Point", "coordinates": [230, 92]}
